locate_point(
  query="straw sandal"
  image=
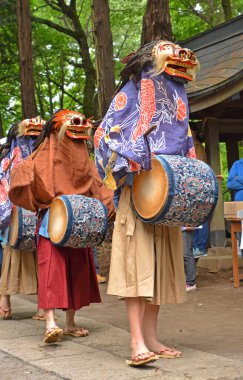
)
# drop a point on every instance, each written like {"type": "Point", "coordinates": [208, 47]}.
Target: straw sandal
{"type": "Point", "coordinates": [139, 359]}
{"type": "Point", "coordinates": [77, 332]}
{"type": "Point", "coordinates": [39, 317]}
{"type": "Point", "coordinates": [168, 353]}
{"type": "Point", "coordinates": [53, 334]}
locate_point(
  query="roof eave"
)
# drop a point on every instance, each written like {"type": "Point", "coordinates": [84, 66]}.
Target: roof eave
{"type": "Point", "coordinates": [207, 98]}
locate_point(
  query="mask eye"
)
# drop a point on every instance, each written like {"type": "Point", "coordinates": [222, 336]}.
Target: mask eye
{"type": "Point", "coordinates": [183, 54]}
{"type": "Point", "coordinates": [76, 120]}
{"type": "Point", "coordinates": [168, 48]}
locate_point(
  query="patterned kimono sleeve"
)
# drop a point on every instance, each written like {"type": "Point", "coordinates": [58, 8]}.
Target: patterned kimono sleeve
{"type": "Point", "coordinates": [22, 191]}
{"type": "Point", "coordinates": [5, 204]}
{"type": "Point", "coordinates": [113, 165]}
{"type": "Point", "coordinates": [190, 153]}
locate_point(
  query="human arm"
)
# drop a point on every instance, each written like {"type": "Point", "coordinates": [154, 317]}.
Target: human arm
{"type": "Point", "coordinates": [21, 186]}
{"type": "Point", "coordinates": [31, 183]}
{"type": "Point", "coordinates": [101, 192]}
{"type": "Point", "coordinates": [235, 181]}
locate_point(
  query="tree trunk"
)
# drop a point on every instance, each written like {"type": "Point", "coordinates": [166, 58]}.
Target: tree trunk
{"type": "Point", "coordinates": [40, 101]}
{"type": "Point", "coordinates": [29, 108]}
{"type": "Point", "coordinates": [1, 127]}
{"type": "Point", "coordinates": [49, 88]}
{"type": "Point", "coordinates": [157, 22]}
{"type": "Point", "coordinates": [90, 76]}
{"type": "Point", "coordinates": [62, 83]}
{"type": "Point", "coordinates": [226, 4]}
{"type": "Point", "coordinates": [105, 70]}
{"type": "Point", "coordinates": [69, 11]}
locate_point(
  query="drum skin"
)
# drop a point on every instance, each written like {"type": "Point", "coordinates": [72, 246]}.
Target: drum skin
{"type": "Point", "coordinates": [77, 221]}
{"type": "Point", "coordinates": [177, 191]}
{"type": "Point", "coordinates": [22, 229]}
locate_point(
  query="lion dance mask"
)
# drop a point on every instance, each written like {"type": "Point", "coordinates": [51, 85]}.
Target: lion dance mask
{"type": "Point", "coordinates": [31, 127]}
{"type": "Point", "coordinates": [72, 123]}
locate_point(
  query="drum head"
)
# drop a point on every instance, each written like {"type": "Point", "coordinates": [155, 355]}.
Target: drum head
{"type": "Point", "coordinates": [58, 220]}
{"type": "Point", "coordinates": [14, 227]}
{"type": "Point", "coordinates": [150, 191]}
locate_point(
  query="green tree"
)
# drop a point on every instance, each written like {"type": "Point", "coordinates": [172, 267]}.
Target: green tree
{"type": "Point", "coordinates": [60, 77]}
{"type": "Point", "coordinates": [157, 22]}
{"type": "Point", "coordinates": [25, 59]}
{"type": "Point", "coordinates": [190, 17]}
{"type": "Point", "coordinates": [67, 20]}
{"type": "Point", "coordinates": [104, 53]}
{"type": "Point", "coordinates": [10, 104]}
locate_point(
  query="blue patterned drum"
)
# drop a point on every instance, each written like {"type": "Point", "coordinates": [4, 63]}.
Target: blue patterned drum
{"type": "Point", "coordinates": [22, 229]}
{"type": "Point", "coordinates": [177, 191]}
{"type": "Point", "coordinates": [77, 221]}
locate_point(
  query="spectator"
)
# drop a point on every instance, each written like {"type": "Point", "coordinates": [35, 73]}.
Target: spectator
{"type": "Point", "coordinates": [235, 183]}
{"type": "Point", "coordinates": [189, 260]}
{"type": "Point", "coordinates": [200, 235]}
{"type": "Point", "coordinates": [100, 279]}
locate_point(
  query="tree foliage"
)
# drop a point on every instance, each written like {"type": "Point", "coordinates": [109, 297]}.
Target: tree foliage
{"type": "Point", "coordinates": [64, 50]}
{"type": "Point", "coordinates": [10, 105]}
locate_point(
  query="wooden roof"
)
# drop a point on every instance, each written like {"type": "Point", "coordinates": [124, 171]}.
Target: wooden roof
{"type": "Point", "coordinates": [220, 80]}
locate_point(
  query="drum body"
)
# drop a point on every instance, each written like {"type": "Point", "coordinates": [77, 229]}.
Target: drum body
{"type": "Point", "coordinates": [22, 229]}
{"type": "Point", "coordinates": [177, 191]}
{"type": "Point", "coordinates": [77, 221]}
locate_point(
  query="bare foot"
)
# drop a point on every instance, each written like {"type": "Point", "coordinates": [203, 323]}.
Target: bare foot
{"type": "Point", "coordinates": [77, 332]}
{"type": "Point", "coordinates": [140, 352]}
{"type": "Point", "coordinates": [5, 303]}
{"type": "Point", "coordinates": [163, 351]}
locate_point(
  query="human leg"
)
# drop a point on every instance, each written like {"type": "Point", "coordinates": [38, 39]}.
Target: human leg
{"type": "Point", "coordinates": [189, 261]}
{"type": "Point", "coordinates": [5, 307]}
{"type": "Point", "coordinates": [71, 328]}
{"type": "Point", "coordinates": [94, 251]}
{"type": "Point", "coordinates": [40, 315]}
{"type": "Point", "coordinates": [50, 318]}
{"type": "Point", "coordinates": [18, 276]}
{"type": "Point", "coordinates": [1, 256]}
{"type": "Point", "coordinates": [150, 322]}
{"type": "Point", "coordinates": [140, 353]}
{"type": "Point", "coordinates": [53, 332]}
{"type": "Point", "coordinates": [200, 240]}
{"type": "Point", "coordinates": [195, 240]}
{"type": "Point", "coordinates": [49, 288]}
{"type": "Point", "coordinates": [100, 279]}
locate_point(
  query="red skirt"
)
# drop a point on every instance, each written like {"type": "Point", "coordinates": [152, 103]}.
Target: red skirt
{"type": "Point", "coordinates": [66, 277]}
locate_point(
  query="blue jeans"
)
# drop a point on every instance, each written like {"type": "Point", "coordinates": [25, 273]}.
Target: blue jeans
{"type": "Point", "coordinates": [189, 261]}
{"type": "Point", "coordinates": [200, 238]}
{"type": "Point", "coordinates": [95, 259]}
{"type": "Point", "coordinates": [1, 257]}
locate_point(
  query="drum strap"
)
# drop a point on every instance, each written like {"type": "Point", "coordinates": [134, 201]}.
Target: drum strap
{"type": "Point", "coordinates": [124, 204]}
{"type": "Point", "coordinates": [126, 213]}
{"type": "Point", "coordinates": [129, 179]}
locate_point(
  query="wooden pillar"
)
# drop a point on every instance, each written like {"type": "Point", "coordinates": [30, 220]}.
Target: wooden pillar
{"type": "Point", "coordinates": [217, 223]}
{"type": "Point", "coordinates": [232, 151]}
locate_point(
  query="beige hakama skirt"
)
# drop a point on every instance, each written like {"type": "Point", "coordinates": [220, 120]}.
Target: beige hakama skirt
{"type": "Point", "coordinates": [19, 272]}
{"type": "Point", "coordinates": [146, 259]}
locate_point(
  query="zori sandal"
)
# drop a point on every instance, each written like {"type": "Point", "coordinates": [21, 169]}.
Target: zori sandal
{"type": "Point", "coordinates": [77, 332]}
{"type": "Point", "coordinates": [39, 317]}
{"type": "Point", "coordinates": [142, 359]}
{"type": "Point", "coordinates": [53, 334]}
{"type": "Point", "coordinates": [169, 353]}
